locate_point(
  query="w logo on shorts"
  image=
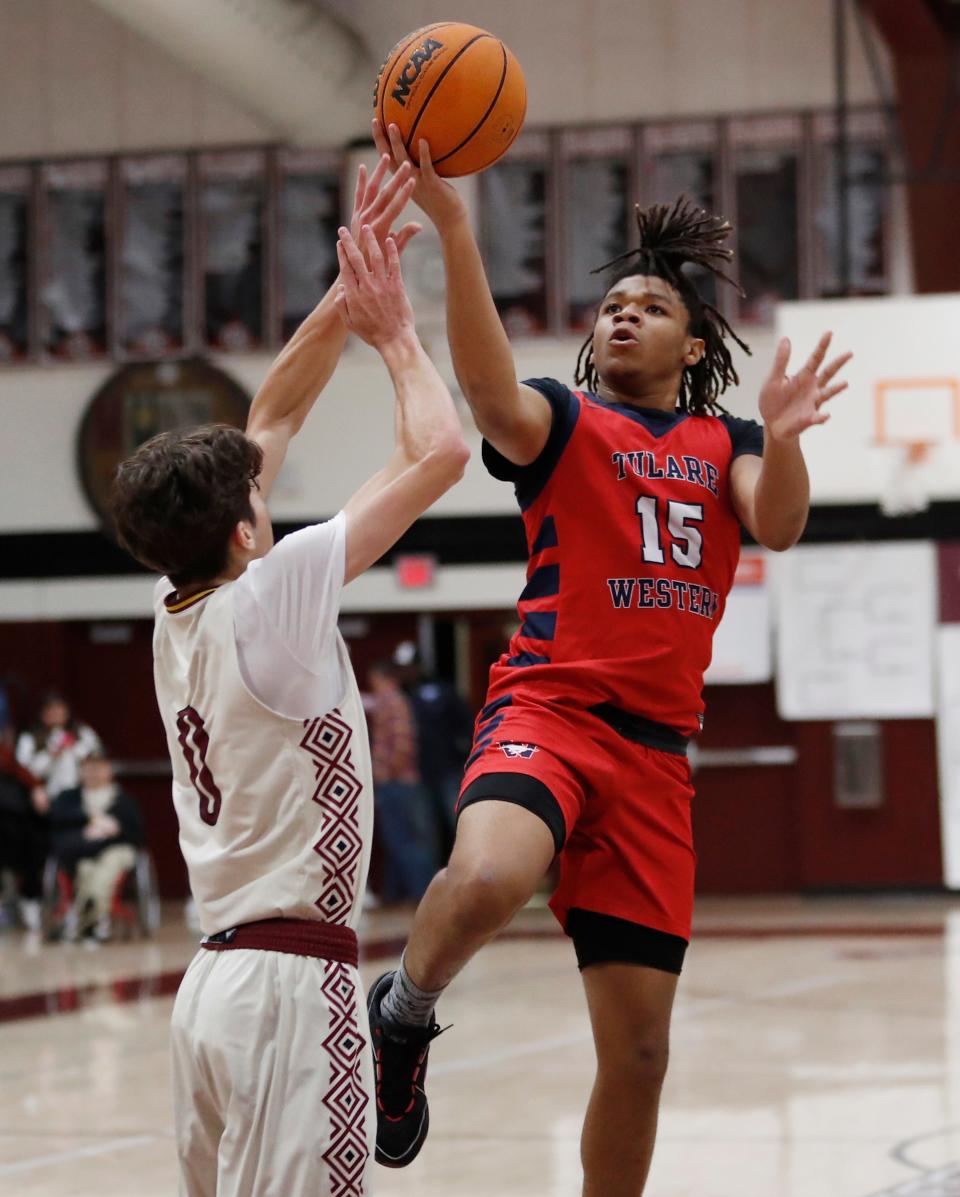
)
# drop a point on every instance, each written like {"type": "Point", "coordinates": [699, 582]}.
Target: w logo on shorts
{"type": "Point", "coordinates": [524, 750]}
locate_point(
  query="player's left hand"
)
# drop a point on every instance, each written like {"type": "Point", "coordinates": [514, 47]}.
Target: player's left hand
{"type": "Point", "coordinates": [371, 297]}
{"type": "Point", "coordinates": [379, 208]}
{"type": "Point", "coordinates": [791, 404]}
{"type": "Point", "coordinates": [439, 199]}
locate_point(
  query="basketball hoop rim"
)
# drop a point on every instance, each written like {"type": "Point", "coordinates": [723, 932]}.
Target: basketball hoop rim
{"type": "Point", "coordinates": [917, 445]}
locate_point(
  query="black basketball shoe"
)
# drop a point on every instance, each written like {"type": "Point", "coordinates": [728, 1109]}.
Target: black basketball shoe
{"type": "Point", "coordinates": [400, 1070]}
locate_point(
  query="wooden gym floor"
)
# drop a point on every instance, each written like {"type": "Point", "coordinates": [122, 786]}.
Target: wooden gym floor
{"type": "Point", "coordinates": [816, 1053]}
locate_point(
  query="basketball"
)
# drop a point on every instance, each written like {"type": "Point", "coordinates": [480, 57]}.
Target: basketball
{"type": "Point", "coordinates": [458, 88]}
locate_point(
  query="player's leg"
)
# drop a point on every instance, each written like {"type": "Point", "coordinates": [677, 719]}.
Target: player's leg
{"type": "Point", "coordinates": [625, 897]}
{"type": "Point", "coordinates": [272, 1076]}
{"type": "Point", "coordinates": [197, 1107]}
{"type": "Point", "coordinates": [514, 813]}
{"type": "Point", "coordinates": [630, 1008]}
{"type": "Point", "coordinates": [520, 797]}
{"type": "Point", "coordinates": [300, 1116]}
{"type": "Point", "coordinates": [500, 854]}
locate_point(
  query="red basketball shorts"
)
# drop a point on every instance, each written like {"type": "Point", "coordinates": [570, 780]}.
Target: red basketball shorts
{"type": "Point", "coordinates": [619, 810]}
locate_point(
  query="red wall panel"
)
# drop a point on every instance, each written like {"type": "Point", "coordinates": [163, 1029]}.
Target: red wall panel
{"type": "Point", "coordinates": [763, 829]}
{"type": "Point", "coordinates": [757, 829]}
{"type": "Point", "coordinates": [744, 818]}
{"type": "Point", "coordinates": [897, 844]}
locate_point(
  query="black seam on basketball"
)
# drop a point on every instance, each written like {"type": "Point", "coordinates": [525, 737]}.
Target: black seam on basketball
{"type": "Point", "coordinates": [443, 74]}
{"type": "Point", "coordinates": [482, 121]}
{"type": "Point", "coordinates": [393, 59]}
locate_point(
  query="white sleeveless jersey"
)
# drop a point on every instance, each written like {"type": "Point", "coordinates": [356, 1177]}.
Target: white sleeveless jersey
{"type": "Point", "coordinates": [275, 813]}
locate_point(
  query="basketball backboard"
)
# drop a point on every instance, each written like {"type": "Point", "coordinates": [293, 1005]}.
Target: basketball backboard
{"type": "Point", "coordinates": [894, 435]}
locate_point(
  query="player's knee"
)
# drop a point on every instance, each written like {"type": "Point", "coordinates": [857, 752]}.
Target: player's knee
{"type": "Point", "coordinates": [641, 1064]}
{"type": "Point", "coordinates": [481, 891]}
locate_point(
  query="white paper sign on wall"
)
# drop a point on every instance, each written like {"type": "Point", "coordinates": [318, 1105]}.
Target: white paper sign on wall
{"type": "Point", "coordinates": [855, 631]}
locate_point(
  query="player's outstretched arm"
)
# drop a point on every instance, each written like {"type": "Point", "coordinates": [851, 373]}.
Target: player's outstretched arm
{"type": "Point", "coordinates": [772, 495]}
{"type": "Point", "coordinates": [430, 453]}
{"type": "Point", "coordinates": [515, 419]}
{"type": "Point", "coordinates": [305, 364]}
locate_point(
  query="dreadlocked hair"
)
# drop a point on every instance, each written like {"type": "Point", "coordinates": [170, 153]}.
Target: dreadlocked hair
{"type": "Point", "coordinates": [673, 236]}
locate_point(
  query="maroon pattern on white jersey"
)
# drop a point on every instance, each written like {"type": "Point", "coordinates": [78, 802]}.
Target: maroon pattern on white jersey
{"type": "Point", "coordinates": [345, 1100]}
{"type": "Point", "coordinates": [340, 847]}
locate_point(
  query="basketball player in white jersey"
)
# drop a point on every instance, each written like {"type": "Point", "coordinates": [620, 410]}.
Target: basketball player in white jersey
{"type": "Point", "coordinates": [272, 787]}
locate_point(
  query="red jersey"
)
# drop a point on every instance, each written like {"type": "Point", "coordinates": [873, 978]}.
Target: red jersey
{"type": "Point", "coordinates": [633, 545]}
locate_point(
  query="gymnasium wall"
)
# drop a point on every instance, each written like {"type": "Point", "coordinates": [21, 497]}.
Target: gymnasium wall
{"type": "Point", "coordinates": [78, 80]}
{"type": "Point", "coordinates": [348, 436]}
{"type": "Point", "coordinates": [608, 59]}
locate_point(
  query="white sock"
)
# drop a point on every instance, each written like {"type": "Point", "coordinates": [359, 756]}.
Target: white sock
{"type": "Point", "coordinates": [407, 1003]}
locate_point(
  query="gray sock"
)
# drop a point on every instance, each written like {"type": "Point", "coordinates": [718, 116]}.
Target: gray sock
{"type": "Point", "coordinates": [407, 1003]}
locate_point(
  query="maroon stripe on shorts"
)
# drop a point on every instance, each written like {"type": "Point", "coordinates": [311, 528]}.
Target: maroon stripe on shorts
{"type": "Point", "coordinates": [299, 937]}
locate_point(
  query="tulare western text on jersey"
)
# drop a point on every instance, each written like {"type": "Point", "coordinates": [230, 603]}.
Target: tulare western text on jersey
{"type": "Point", "coordinates": [643, 464]}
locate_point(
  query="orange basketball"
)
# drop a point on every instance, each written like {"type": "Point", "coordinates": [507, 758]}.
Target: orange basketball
{"type": "Point", "coordinates": [458, 88]}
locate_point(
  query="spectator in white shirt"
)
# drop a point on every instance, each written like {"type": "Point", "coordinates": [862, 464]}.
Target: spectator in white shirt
{"type": "Point", "coordinates": [54, 747]}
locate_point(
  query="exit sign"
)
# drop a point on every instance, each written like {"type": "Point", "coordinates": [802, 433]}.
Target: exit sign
{"type": "Point", "coordinates": [415, 571]}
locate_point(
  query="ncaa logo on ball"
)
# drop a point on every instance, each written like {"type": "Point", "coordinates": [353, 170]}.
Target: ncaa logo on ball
{"type": "Point", "coordinates": [518, 750]}
{"type": "Point", "coordinates": [412, 70]}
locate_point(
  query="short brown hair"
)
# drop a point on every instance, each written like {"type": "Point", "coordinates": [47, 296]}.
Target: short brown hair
{"type": "Point", "coordinates": [177, 500]}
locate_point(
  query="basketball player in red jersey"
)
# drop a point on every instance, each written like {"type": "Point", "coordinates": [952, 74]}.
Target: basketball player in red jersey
{"type": "Point", "coordinates": [632, 492]}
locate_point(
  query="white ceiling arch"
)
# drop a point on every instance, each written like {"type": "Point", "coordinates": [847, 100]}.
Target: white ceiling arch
{"type": "Point", "coordinates": [291, 62]}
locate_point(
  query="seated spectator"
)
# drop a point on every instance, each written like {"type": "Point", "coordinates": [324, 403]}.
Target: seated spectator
{"type": "Point", "coordinates": [95, 831]}
{"type": "Point", "coordinates": [22, 831]}
{"type": "Point", "coordinates": [54, 747]}
{"type": "Point", "coordinates": [404, 818]}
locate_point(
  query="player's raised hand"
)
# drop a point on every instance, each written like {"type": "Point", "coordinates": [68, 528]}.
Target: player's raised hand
{"type": "Point", "coordinates": [371, 296]}
{"type": "Point", "coordinates": [440, 201]}
{"type": "Point", "coordinates": [379, 205]}
{"type": "Point", "coordinates": [789, 404]}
